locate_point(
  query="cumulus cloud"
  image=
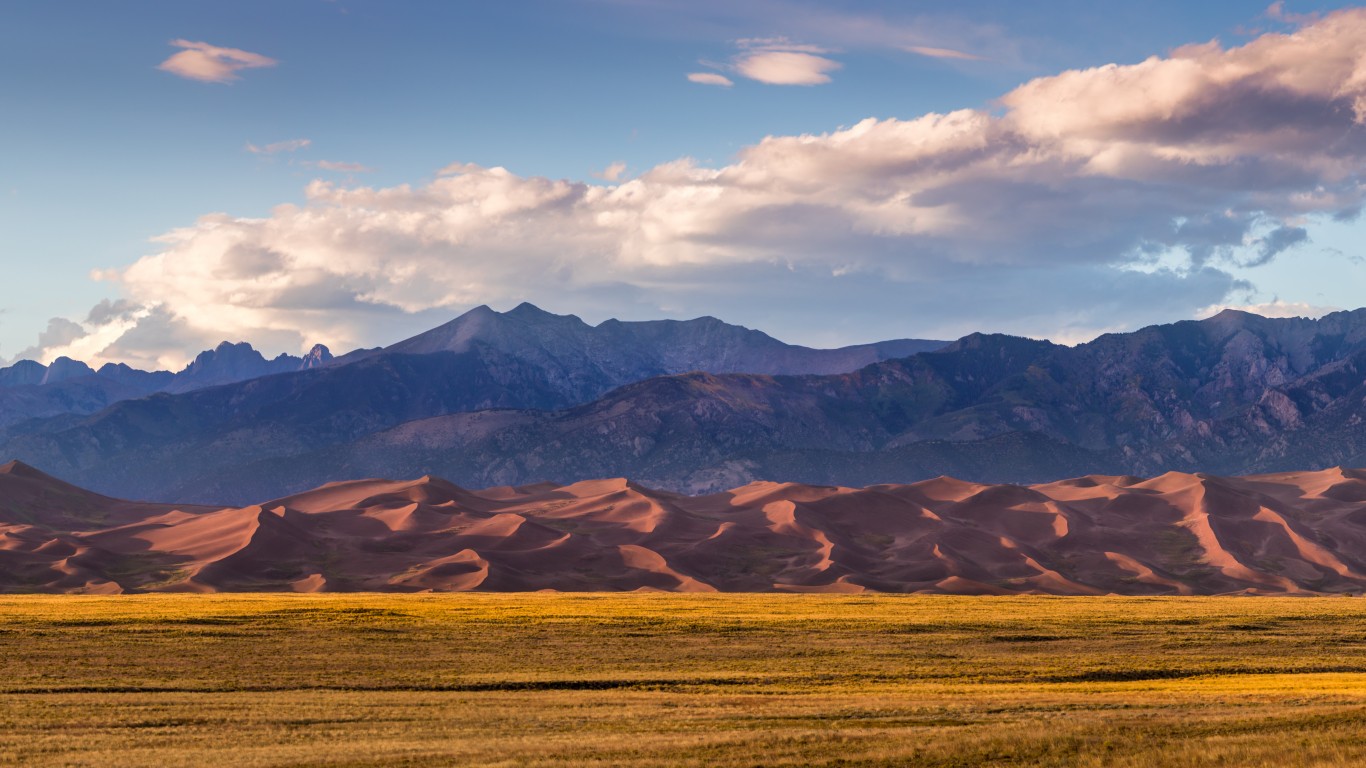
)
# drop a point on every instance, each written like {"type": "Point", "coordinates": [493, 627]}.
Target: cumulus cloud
{"type": "Point", "coordinates": [292, 145]}
{"type": "Point", "coordinates": [211, 63]}
{"type": "Point", "coordinates": [1090, 200]}
{"type": "Point", "coordinates": [710, 78]}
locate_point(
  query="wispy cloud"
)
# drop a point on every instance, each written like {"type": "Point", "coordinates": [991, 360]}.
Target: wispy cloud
{"type": "Point", "coordinates": [710, 78]}
{"type": "Point", "coordinates": [292, 145]}
{"type": "Point", "coordinates": [339, 167]}
{"type": "Point", "coordinates": [846, 27]}
{"type": "Point", "coordinates": [211, 63]}
{"type": "Point", "coordinates": [943, 53]}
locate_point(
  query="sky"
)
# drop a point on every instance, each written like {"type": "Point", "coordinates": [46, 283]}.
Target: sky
{"type": "Point", "coordinates": [351, 173]}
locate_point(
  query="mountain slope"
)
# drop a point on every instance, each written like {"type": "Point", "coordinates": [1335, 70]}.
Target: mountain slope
{"type": "Point", "coordinates": [1176, 534]}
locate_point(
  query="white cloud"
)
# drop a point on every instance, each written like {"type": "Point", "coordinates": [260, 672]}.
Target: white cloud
{"type": "Point", "coordinates": [779, 61]}
{"type": "Point", "coordinates": [1033, 213]}
{"type": "Point", "coordinates": [710, 78]}
{"type": "Point", "coordinates": [211, 63]}
{"type": "Point", "coordinates": [292, 145]}
{"type": "Point", "coordinates": [786, 67]}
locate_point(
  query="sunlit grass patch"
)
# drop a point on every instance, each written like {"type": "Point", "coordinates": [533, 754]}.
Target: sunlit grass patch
{"type": "Point", "coordinates": [662, 679]}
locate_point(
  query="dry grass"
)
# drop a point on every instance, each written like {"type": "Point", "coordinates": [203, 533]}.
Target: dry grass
{"type": "Point", "coordinates": [650, 679]}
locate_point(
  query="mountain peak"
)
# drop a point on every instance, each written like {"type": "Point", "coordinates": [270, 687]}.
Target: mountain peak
{"type": "Point", "coordinates": [18, 468]}
{"type": "Point", "coordinates": [317, 356]}
{"type": "Point", "coordinates": [528, 311]}
{"type": "Point", "coordinates": [226, 354]}
{"type": "Point", "coordinates": [1232, 316]}
{"type": "Point", "coordinates": [64, 368]}
{"type": "Point", "coordinates": [22, 373]}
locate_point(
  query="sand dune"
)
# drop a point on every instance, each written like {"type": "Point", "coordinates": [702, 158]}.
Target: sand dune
{"type": "Point", "coordinates": [1287, 533]}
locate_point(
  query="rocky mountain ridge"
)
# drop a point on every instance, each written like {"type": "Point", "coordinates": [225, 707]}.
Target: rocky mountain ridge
{"type": "Point", "coordinates": [579, 361]}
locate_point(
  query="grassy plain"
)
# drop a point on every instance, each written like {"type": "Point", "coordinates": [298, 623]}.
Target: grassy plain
{"type": "Point", "coordinates": [654, 679]}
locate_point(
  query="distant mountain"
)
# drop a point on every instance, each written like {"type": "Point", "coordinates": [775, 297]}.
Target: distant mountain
{"type": "Point", "coordinates": [1299, 533]}
{"type": "Point", "coordinates": [593, 359]}
{"type": "Point", "coordinates": [523, 359]}
{"type": "Point", "coordinates": [514, 398]}
{"type": "Point", "coordinates": [230, 363]}
{"type": "Point", "coordinates": [77, 395]}
{"type": "Point", "coordinates": [31, 390]}
{"type": "Point", "coordinates": [1233, 394]}
{"type": "Point", "coordinates": [577, 361]}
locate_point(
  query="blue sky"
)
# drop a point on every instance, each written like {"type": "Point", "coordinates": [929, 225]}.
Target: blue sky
{"type": "Point", "coordinates": [107, 152]}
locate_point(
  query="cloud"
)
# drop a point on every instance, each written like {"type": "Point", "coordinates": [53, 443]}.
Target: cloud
{"type": "Point", "coordinates": [779, 61]}
{"type": "Point", "coordinates": [1091, 200]}
{"type": "Point", "coordinates": [1277, 12]}
{"type": "Point", "coordinates": [292, 145]}
{"type": "Point", "coordinates": [895, 27]}
{"type": "Point", "coordinates": [613, 172]}
{"type": "Point", "coordinates": [59, 333]}
{"type": "Point", "coordinates": [710, 78]}
{"type": "Point", "coordinates": [110, 310]}
{"type": "Point", "coordinates": [340, 167]}
{"type": "Point", "coordinates": [786, 68]}
{"type": "Point", "coordinates": [1276, 242]}
{"type": "Point", "coordinates": [942, 53]}
{"type": "Point", "coordinates": [211, 63]}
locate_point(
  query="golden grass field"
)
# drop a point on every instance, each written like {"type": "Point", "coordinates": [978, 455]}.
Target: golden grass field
{"type": "Point", "coordinates": [668, 679]}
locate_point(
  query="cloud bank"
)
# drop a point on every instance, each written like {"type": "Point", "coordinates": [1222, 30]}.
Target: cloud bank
{"type": "Point", "coordinates": [1083, 202]}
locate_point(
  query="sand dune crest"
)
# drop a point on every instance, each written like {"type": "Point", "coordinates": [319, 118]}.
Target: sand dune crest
{"type": "Point", "coordinates": [1179, 533]}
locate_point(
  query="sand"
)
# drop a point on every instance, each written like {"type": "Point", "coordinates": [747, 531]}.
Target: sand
{"type": "Point", "coordinates": [1287, 533]}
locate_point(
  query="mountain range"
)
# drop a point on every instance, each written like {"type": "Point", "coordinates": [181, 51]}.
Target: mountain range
{"type": "Point", "coordinates": [701, 406]}
{"type": "Point", "coordinates": [1176, 534]}
{"type": "Point", "coordinates": [29, 389]}
{"type": "Point", "coordinates": [170, 443]}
